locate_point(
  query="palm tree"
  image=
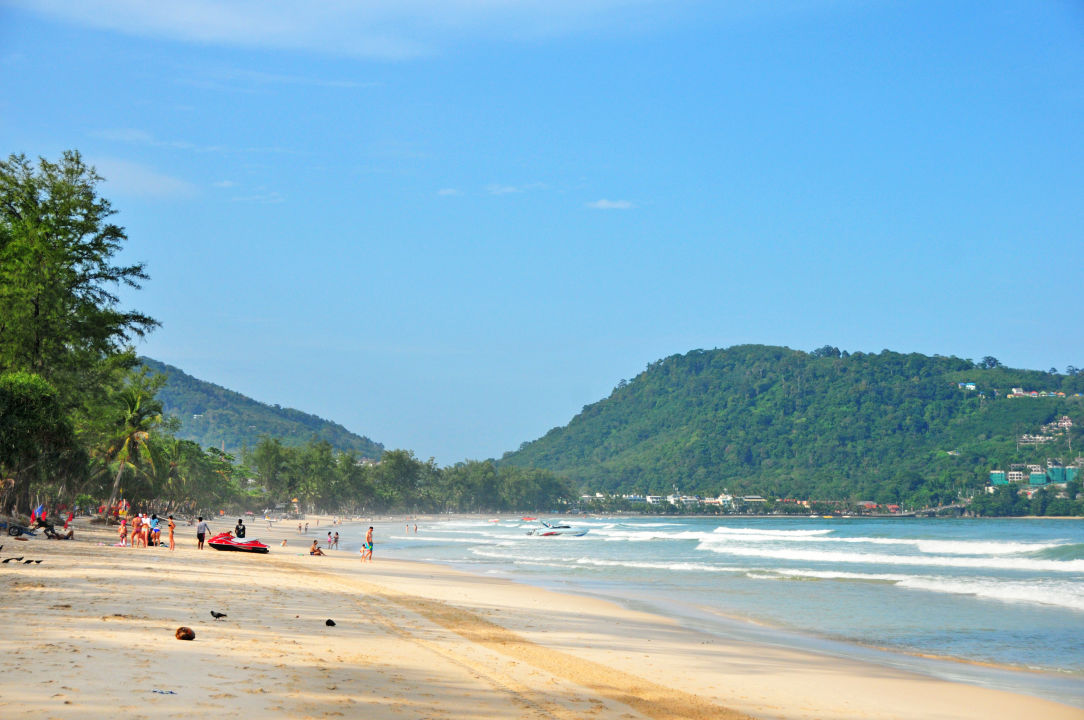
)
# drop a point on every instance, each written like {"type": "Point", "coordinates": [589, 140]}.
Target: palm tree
{"type": "Point", "coordinates": [141, 412]}
{"type": "Point", "coordinates": [163, 467]}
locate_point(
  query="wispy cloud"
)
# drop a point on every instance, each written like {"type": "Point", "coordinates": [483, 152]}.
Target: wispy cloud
{"type": "Point", "coordinates": [232, 79]}
{"type": "Point", "coordinates": [610, 205]}
{"type": "Point", "coordinates": [130, 178]}
{"type": "Point", "coordinates": [261, 197]}
{"type": "Point", "coordinates": [448, 192]}
{"type": "Point", "coordinates": [134, 136]}
{"type": "Point", "coordinates": [225, 184]}
{"type": "Point", "coordinates": [499, 189]}
{"type": "Point", "coordinates": [388, 30]}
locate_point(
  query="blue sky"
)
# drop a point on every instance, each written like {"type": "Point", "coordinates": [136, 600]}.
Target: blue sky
{"type": "Point", "coordinates": [450, 225]}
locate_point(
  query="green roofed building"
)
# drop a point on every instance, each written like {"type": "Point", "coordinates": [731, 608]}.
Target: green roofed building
{"type": "Point", "coordinates": [1037, 478]}
{"type": "Point", "coordinates": [997, 477]}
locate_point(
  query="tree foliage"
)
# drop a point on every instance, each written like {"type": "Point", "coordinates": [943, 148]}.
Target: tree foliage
{"type": "Point", "coordinates": [771, 421]}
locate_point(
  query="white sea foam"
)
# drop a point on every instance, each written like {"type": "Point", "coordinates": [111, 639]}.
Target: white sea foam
{"type": "Point", "coordinates": [828, 556]}
{"type": "Point", "coordinates": [1036, 592]}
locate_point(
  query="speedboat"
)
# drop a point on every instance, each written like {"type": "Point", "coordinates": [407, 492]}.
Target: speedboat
{"type": "Point", "coordinates": [547, 529]}
{"type": "Point", "coordinates": [226, 541]}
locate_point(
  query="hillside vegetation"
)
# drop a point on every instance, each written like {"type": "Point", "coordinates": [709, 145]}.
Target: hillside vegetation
{"type": "Point", "coordinates": [213, 416]}
{"type": "Point", "coordinates": [888, 427]}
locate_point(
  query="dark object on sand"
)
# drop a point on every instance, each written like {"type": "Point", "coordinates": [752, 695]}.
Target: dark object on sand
{"type": "Point", "coordinates": [330, 622]}
{"type": "Point", "coordinates": [7, 560]}
{"type": "Point", "coordinates": [217, 615]}
{"type": "Point", "coordinates": [15, 530]}
{"type": "Point", "coordinates": [185, 633]}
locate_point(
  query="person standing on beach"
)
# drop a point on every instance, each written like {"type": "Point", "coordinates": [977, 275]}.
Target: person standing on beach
{"type": "Point", "coordinates": [123, 532]}
{"type": "Point", "coordinates": [335, 542]}
{"type": "Point", "coordinates": [201, 531]}
{"type": "Point", "coordinates": [367, 549]}
{"type": "Point", "coordinates": [239, 531]}
{"type": "Point", "coordinates": [172, 527]}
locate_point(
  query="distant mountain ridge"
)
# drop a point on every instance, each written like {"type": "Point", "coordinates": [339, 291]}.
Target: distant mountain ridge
{"type": "Point", "coordinates": [213, 416]}
{"type": "Point", "coordinates": [824, 424]}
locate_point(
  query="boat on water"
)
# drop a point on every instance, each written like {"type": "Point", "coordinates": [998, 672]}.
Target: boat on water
{"type": "Point", "coordinates": [226, 541]}
{"type": "Point", "coordinates": [548, 529]}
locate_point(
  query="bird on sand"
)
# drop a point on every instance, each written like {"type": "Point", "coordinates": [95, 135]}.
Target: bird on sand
{"type": "Point", "coordinates": [217, 615]}
{"type": "Point", "coordinates": [329, 622]}
{"type": "Point", "coordinates": [27, 562]}
{"type": "Point", "coordinates": [7, 560]}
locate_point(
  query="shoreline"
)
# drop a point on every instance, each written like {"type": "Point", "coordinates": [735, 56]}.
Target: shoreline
{"type": "Point", "coordinates": [91, 633]}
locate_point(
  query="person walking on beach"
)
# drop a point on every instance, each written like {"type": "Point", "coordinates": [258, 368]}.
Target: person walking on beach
{"type": "Point", "coordinates": [367, 548]}
{"type": "Point", "coordinates": [201, 531]}
{"type": "Point", "coordinates": [172, 527]}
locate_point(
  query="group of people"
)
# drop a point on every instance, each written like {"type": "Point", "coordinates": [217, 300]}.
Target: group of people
{"type": "Point", "coordinates": [333, 541]}
{"type": "Point", "coordinates": [146, 531]}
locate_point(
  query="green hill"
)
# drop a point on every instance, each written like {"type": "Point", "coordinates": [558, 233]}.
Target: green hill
{"type": "Point", "coordinates": [212, 416]}
{"type": "Point", "coordinates": [823, 425]}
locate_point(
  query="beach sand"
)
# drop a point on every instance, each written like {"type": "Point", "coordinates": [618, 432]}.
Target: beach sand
{"type": "Point", "coordinates": [89, 633]}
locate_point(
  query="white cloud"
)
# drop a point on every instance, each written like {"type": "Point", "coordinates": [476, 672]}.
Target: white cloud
{"type": "Point", "coordinates": [610, 205]}
{"type": "Point", "coordinates": [129, 178]}
{"type": "Point", "coordinates": [498, 189]}
{"type": "Point", "coordinates": [448, 192]}
{"type": "Point", "coordinates": [389, 30]}
{"type": "Point", "coordinates": [261, 196]}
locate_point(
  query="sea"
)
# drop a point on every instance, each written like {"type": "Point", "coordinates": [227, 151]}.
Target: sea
{"type": "Point", "coordinates": [993, 602]}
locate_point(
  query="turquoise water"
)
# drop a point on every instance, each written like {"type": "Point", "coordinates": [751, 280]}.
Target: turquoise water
{"type": "Point", "coordinates": [1002, 592]}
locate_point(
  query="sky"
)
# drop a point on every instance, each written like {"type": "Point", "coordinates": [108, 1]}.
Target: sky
{"type": "Point", "coordinates": [450, 224]}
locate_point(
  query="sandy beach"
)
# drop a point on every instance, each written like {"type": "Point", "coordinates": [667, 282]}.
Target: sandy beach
{"type": "Point", "coordinates": [89, 633]}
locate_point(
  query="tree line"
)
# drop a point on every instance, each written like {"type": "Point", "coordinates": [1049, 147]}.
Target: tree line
{"type": "Point", "coordinates": [81, 419]}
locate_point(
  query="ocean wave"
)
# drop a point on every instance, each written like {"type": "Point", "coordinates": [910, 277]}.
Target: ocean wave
{"type": "Point", "coordinates": [822, 556]}
{"type": "Point", "coordinates": [1034, 592]}
{"type": "Point", "coordinates": [929, 546]}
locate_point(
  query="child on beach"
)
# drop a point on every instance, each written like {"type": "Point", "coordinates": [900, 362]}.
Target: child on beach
{"type": "Point", "coordinates": [122, 531]}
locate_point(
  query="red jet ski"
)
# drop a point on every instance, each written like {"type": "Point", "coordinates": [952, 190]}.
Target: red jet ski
{"type": "Point", "coordinates": [226, 541]}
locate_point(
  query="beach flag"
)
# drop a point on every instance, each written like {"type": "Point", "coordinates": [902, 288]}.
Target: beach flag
{"type": "Point", "coordinates": [39, 511]}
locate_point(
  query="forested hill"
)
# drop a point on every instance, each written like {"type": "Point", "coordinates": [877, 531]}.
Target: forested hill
{"type": "Point", "coordinates": [212, 416]}
{"type": "Point", "coordinates": [820, 425]}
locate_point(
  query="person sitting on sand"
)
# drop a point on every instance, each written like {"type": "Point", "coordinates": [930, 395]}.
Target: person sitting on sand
{"type": "Point", "coordinates": [54, 535]}
{"type": "Point", "coordinates": [315, 549]}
